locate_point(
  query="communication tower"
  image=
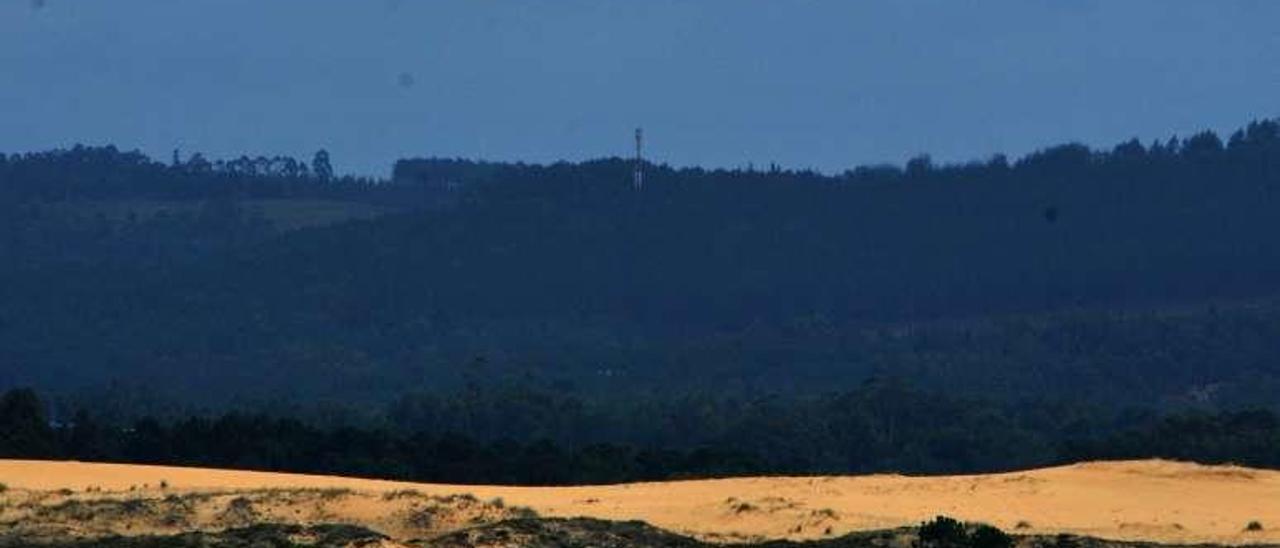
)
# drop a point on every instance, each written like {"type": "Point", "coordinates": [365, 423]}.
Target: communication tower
{"type": "Point", "coordinates": [638, 181]}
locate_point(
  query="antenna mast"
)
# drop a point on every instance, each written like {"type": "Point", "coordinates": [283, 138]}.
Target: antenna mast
{"type": "Point", "coordinates": [638, 182]}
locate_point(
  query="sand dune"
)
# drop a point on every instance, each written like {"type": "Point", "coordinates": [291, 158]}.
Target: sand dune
{"type": "Point", "coordinates": [1130, 500]}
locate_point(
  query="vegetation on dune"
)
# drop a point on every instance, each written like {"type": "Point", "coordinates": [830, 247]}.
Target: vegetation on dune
{"type": "Point", "coordinates": [271, 517]}
{"type": "Point", "coordinates": [945, 532]}
{"type": "Point", "coordinates": [577, 532]}
{"type": "Point", "coordinates": [273, 535]}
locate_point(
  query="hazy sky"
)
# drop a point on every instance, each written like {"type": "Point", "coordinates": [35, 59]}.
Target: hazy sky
{"type": "Point", "coordinates": [824, 84]}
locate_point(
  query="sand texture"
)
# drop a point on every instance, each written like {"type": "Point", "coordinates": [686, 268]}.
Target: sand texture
{"type": "Point", "coordinates": [1159, 501]}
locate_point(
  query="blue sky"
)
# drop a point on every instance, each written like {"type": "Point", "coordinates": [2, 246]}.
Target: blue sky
{"type": "Point", "coordinates": [821, 84]}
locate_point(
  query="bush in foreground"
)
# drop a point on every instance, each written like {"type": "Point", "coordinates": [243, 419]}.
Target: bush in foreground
{"type": "Point", "coordinates": [945, 532]}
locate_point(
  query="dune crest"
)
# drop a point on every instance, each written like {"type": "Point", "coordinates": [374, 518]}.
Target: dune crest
{"type": "Point", "coordinates": [1152, 500]}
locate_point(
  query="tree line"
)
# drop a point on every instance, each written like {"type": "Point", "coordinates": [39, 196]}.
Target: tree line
{"type": "Point", "coordinates": [87, 173]}
{"type": "Point", "coordinates": [876, 429]}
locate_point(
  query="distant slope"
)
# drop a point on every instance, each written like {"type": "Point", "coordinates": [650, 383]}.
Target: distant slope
{"type": "Point", "coordinates": [1056, 269]}
{"type": "Point", "coordinates": [283, 214]}
{"type": "Point", "coordinates": [1135, 500]}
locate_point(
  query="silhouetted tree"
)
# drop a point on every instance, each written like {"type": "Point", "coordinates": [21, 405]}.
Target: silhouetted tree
{"type": "Point", "coordinates": [24, 429]}
{"type": "Point", "coordinates": [320, 166]}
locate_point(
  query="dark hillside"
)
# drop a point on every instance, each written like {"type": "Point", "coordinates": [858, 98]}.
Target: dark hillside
{"type": "Point", "coordinates": [1143, 273]}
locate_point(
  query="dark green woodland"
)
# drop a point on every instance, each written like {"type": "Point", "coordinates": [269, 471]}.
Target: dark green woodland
{"type": "Point", "coordinates": [1074, 303]}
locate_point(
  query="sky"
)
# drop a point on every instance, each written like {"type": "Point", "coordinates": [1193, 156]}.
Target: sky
{"type": "Point", "coordinates": [822, 84]}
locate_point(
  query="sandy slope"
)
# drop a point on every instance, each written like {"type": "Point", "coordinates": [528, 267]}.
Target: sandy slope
{"type": "Point", "coordinates": [1149, 500]}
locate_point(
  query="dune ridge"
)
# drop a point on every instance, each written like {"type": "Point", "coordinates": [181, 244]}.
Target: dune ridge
{"type": "Point", "coordinates": [1149, 500]}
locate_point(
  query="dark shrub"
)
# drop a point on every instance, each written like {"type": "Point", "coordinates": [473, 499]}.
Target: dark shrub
{"type": "Point", "coordinates": [986, 536]}
{"type": "Point", "coordinates": [942, 532]}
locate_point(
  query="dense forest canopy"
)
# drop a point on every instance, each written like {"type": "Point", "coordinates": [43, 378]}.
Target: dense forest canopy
{"type": "Point", "coordinates": [1144, 276]}
{"type": "Point", "coordinates": [877, 427]}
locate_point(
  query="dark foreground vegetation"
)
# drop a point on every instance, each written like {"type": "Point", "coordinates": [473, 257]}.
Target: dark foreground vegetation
{"type": "Point", "coordinates": [257, 536]}
{"type": "Point", "coordinates": [942, 532]}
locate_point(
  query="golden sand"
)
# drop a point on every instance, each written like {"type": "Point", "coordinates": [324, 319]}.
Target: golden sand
{"type": "Point", "coordinates": [1152, 500]}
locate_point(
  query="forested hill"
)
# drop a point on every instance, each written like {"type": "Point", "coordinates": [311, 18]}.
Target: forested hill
{"type": "Point", "coordinates": [1142, 274]}
{"type": "Point", "coordinates": [1062, 228]}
